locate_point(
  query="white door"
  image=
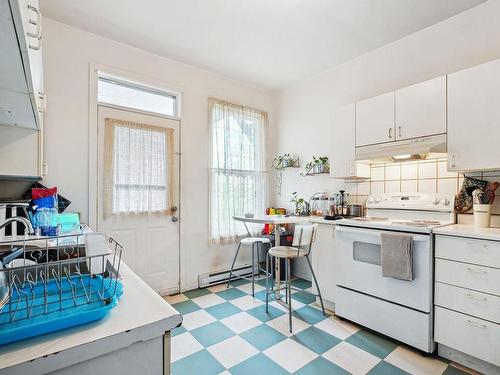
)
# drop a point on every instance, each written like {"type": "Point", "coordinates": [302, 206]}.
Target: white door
{"type": "Point", "coordinates": [375, 120]}
{"type": "Point", "coordinates": [150, 241]}
{"type": "Point", "coordinates": [474, 118]}
{"type": "Point", "coordinates": [421, 109]}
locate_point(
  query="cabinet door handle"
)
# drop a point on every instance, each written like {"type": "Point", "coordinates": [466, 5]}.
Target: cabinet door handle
{"type": "Point", "coordinates": [477, 298]}
{"type": "Point", "coordinates": [37, 23]}
{"type": "Point", "coordinates": [478, 272]}
{"type": "Point", "coordinates": [37, 46]}
{"type": "Point", "coordinates": [399, 132]}
{"type": "Point", "coordinates": [452, 160]}
{"type": "Point", "coordinates": [478, 248]}
{"type": "Point", "coordinates": [476, 325]}
{"type": "Point", "coordinates": [390, 133]}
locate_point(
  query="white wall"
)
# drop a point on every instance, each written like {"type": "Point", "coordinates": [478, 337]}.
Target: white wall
{"type": "Point", "coordinates": [305, 125]}
{"type": "Point", "coordinates": [67, 55]}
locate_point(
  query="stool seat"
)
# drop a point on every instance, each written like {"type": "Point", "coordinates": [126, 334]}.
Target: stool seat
{"type": "Point", "coordinates": [255, 244]}
{"type": "Point", "coordinates": [252, 240]}
{"type": "Point", "coordinates": [286, 252]}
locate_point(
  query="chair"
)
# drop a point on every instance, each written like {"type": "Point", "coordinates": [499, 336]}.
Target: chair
{"type": "Point", "coordinates": [255, 243]}
{"type": "Point", "coordinates": [303, 238]}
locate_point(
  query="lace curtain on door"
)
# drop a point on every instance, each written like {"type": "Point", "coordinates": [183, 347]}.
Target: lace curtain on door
{"type": "Point", "coordinates": [137, 168]}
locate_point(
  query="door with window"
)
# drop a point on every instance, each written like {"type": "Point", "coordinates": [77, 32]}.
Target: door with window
{"type": "Point", "coordinates": [138, 174]}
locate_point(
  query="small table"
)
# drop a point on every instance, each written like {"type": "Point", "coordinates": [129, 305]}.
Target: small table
{"type": "Point", "coordinates": [276, 220]}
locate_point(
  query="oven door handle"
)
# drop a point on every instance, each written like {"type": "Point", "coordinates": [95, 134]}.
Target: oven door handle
{"type": "Point", "coordinates": [353, 231]}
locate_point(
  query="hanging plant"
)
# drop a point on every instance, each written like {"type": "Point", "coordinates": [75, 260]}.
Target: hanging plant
{"type": "Point", "coordinates": [281, 162]}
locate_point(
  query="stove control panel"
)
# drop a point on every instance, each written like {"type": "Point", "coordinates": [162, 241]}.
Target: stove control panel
{"type": "Point", "coordinates": [415, 201]}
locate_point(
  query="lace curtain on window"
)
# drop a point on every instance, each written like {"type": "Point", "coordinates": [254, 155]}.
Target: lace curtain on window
{"type": "Point", "coordinates": [137, 167]}
{"type": "Point", "coordinates": [238, 176]}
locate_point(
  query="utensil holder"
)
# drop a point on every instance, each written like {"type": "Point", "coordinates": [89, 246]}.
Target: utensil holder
{"type": "Point", "coordinates": [482, 215]}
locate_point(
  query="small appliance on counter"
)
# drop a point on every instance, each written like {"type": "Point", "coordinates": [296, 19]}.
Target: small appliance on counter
{"type": "Point", "coordinates": [340, 207]}
{"type": "Point", "coordinates": [320, 203]}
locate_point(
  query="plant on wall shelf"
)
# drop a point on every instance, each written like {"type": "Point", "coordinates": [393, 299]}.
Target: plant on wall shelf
{"type": "Point", "coordinates": [301, 206]}
{"type": "Point", "coordinates": [281, 162]}
{"type": "Point", "coordinates": [317, 166]}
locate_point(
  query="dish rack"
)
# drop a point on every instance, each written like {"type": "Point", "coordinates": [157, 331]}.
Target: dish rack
{"type": "Point", "coordinates": [55, 284]}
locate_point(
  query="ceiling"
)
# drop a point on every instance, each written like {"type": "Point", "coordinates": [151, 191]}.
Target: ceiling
{"type": "Point", "coordinates": [270, 43]}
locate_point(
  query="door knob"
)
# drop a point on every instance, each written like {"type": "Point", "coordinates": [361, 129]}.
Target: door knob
{"type": "Point", "coordinates": [175, 219]}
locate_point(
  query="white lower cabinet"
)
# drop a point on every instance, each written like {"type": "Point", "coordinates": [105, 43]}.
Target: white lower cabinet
{"type": "Point", "coordinates": [467, 302]}
{"type": "Point", "coordinates": [476, 337]}
{"type": "Point", "coordinates": [471, 302]}
{"type": "Point", "coordinates": [323, 253]}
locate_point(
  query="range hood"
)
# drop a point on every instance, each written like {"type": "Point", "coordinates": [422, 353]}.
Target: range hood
{"type": "Point", "coordinates": [415, 146]}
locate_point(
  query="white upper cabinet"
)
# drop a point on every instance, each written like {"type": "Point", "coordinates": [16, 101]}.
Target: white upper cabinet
{"type": "Point", "coordinates": [421, 109]}
{"type": "Point", "coordinates": [375, 120]}
{"type": "Point", "coordinates": [21, 68]}
{"type": "Point", "coordinates": [11, 68]}
{"type": "Point", "coordinates": [342, 164]}
{"type": "Point", "coordinates": [31, 19]}
{"type": "Point", "coordinates": [474, 118]}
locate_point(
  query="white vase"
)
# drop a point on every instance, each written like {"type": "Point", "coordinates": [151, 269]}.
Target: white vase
{"type": "Point", "coordinates": [482, 215]}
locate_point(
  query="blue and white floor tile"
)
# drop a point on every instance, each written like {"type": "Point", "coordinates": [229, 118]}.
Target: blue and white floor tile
{"type": "Point", "coordinates": [227, 331]}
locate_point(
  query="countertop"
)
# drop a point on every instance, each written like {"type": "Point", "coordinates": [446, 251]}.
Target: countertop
{"type": "Point", "coordinates": [141, 314]}
{"type": "Point", "coordinates": [320, 220]}
{"type": "Point", "coordinates": [469, 231]}
{"type": "Point", "coordinates": [284, 219]}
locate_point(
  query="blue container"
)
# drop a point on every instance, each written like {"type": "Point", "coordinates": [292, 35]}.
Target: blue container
{"type": "Point", "coordinates": [68, 313]}
{"type": "Point", "coordinates": [48, 202]}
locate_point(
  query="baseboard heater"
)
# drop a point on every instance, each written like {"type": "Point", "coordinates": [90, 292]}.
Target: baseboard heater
{"type": "Point", "coordinates": [214, 278]}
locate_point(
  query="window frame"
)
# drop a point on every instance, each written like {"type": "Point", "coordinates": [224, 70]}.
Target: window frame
{"type": "Point", "coordinates": [140, 87]}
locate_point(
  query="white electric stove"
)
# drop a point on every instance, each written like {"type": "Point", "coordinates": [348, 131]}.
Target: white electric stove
{"type": "Point", "coordinates": [397, 308]}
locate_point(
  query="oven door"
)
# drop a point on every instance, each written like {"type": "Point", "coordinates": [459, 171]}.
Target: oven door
{"type": "Point", "coordinates": [358, 267]}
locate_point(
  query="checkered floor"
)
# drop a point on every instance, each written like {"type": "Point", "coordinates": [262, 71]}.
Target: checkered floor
{"type": "Point", "coordinates": [227, 331]}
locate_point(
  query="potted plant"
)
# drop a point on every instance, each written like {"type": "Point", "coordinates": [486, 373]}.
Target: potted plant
{"type": "Point", "coordinates": [283, 161]}
{"type": "Point", "coordinates": [301, 206]}
{"type": "Point", "coordinates": [317, 165]}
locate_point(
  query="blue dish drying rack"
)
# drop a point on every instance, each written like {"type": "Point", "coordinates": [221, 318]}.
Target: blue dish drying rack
{"type": "Point", "coordinates": [54, 287]}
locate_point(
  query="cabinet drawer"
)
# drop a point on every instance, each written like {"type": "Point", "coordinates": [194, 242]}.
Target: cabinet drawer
{"type": "Point", "coordinates": [480, 305]}
{"type": "Point", "coordinates": [476, 337]}
{"type": "Point", "coordinates": [486, 253]}
{"type": "Point", "coordinates": [482, 279]}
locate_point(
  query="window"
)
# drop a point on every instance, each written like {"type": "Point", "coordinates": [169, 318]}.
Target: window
{"type": "Point", "coordinates": [121, 93]}
{"type": "Point", "coordinates": [137, 165]}
{"type": "Point", "coordinates": [238, 166]}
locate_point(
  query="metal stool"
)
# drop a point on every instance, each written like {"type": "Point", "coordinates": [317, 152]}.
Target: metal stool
{"type": "Point", "coordinates": [304, 236]}
{"type": "Point", "coordinates": [254, 242]}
